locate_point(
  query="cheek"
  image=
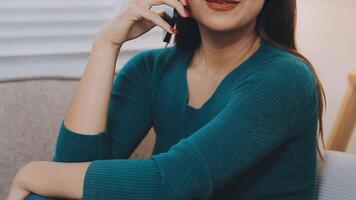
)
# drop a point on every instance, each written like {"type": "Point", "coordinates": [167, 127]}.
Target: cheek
{"type": "Point", "coordinates": [247, 12]}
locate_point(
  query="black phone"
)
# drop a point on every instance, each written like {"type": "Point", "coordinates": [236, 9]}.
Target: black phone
{"type": "Point", "coordinates": [171, 18]}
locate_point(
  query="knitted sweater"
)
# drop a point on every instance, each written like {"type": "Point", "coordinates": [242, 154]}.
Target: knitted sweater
{"type": "Point", "coordinates": [254, 138]}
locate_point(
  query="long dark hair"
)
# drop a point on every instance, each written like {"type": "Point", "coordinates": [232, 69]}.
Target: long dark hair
{"type": "Point", "coordinates": [276, 24]}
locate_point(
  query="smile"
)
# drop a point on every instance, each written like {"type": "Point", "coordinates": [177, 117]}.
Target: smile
{"type": "Point", "coordinates": [222, 5]}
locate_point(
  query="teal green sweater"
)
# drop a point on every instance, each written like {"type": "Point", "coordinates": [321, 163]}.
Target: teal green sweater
{"type": "Point", "coordinates": [254, 138]}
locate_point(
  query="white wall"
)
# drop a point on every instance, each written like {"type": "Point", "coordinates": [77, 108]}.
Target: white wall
{"type": "Point", "coordinates": [55, 37]}
{"type": "Point", "coordinates": [327, 36]}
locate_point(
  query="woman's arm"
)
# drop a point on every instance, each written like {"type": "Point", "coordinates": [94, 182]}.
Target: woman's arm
{"type": "Point", "coordinates": [50, 179]}
{"type": "Point", "coordinates": [87, 113]}
{"type": "Point", "coordinates": [102, 123]}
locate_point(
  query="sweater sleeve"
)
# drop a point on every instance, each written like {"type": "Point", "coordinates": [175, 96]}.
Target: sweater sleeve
{"type": "Point", "coordinates": [261, 115]}
{"type": "Point", "coordinates": [129, 119]}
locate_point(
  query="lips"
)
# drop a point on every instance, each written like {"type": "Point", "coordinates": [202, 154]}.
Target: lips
{"type": "Point", "coordinates": [223, 1]}
{"type": "Point", "coordinates": [222, 5]}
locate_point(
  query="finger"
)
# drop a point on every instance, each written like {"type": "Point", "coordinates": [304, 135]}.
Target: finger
{"type": "Point", "coordinates": [178, 5]}
{"type": "Point", "coordinates": [184, 2]}
{"type": "Point", "coordinates": [161, 14]}
{"type": "Point", "coordinates": [156, 18]}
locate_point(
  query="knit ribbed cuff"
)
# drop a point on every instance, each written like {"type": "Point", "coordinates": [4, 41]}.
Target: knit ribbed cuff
{"type": "Point", "coordinates": [76, 147]}
{"type": "Point", "coordinates": [123, 179]}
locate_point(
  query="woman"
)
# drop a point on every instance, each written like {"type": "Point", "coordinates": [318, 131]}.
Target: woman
{"type": "Point", "coordinates": [234, 105]}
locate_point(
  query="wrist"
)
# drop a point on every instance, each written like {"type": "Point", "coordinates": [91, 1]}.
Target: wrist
{"type": "Point", "coordinates": [103, 42]}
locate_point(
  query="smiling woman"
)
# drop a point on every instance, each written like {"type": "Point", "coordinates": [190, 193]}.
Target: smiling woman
{"type": "Point", "coordinates": [235, 108]}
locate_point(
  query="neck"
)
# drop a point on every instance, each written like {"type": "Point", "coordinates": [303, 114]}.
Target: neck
{"type": "Point", "coordinates": [230, 47]}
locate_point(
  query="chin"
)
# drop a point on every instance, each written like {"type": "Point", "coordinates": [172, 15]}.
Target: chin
{"type": "Point", "coordinates": [231, 19]}
{"type": "Point", "coordinates": [221, 24]}
{"type": "Point", "coordinates": [219, 21]}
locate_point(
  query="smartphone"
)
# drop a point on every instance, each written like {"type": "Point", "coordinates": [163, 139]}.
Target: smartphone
{"type": "Point", "coordinates": [172, 16]}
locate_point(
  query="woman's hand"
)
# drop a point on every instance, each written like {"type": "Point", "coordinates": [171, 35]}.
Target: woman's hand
{"type": "Point", "coordinates": [136, 18]}
{"type": "Point", "coordinates": [50, 179]}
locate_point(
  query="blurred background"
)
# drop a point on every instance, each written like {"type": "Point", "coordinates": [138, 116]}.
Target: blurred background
{"type": "Point", "coordinates": [42, 38]}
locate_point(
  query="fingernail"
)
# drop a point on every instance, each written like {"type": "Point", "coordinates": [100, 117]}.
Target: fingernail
{"type": "Point", "coordinates": [173, 30]}
{"type": "Point", "coordinates": [187, 13]}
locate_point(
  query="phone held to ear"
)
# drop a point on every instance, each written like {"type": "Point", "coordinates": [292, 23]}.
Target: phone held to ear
{"type": "Point", "coordinates": [171, 18]}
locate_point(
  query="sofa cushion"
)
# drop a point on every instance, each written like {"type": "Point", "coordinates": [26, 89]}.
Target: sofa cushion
{"type": "Point", "coordinates": [337, 177]}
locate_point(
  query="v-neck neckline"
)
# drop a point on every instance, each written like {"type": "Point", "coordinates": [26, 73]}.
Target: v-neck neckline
{"type": "Point", "coordinates": [238, 69]}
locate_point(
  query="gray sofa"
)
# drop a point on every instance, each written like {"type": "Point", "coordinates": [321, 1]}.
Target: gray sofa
{"type": "Point", "coordinates": [32, 108]}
